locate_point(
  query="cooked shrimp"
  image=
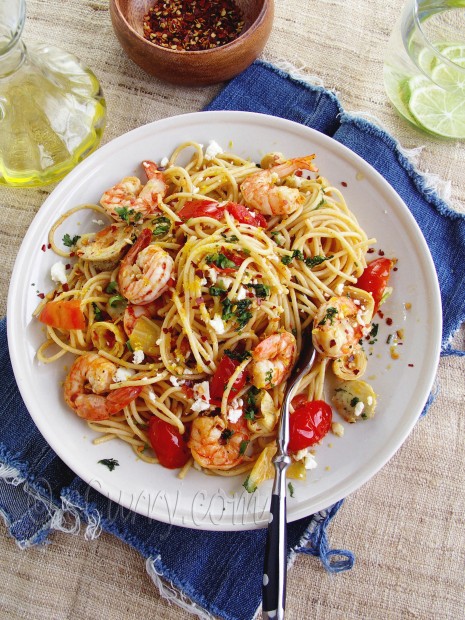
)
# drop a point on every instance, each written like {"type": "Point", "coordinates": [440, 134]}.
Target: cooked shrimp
{"type": "Point", "coordinates": [145, 271]}
{"type": "Point", "coordinates": [272, 360]}
{"type": "Point", "coordinates": [215, 445]}
{"type": "Point", "coordinates": [132, 194]}
{"type": "Point", "coordinates": [132, 313]}
{"type": "Point", "coordinates": [260, 191]}
{"type": "Point", "coordinates": [89, 378]}
{"type": "Point", "coordinates": [338, 327]}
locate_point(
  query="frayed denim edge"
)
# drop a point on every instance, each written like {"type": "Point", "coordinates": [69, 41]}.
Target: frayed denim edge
{"type": "Point", "coordinates": [416, 176]}
{"type": "Point", "coordinates": [315, 542]}
{"type": "Point", "coordinates": [302, 82]}
{"type": "Point", "coordinates": [12, 473]}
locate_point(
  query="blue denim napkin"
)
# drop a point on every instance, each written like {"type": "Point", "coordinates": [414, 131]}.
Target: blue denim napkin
{"type": "Point", "coordinates": [39, 494]}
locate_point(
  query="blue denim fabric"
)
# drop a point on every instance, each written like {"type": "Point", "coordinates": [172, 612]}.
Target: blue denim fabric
{"type": "Point", "coordinates": [39, 493]}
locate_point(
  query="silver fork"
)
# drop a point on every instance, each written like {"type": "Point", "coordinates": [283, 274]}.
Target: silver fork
{"type": "Point", "coordinates": [274, 572]}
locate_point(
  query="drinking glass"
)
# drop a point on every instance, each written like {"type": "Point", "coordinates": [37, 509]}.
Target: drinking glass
{"type": "Point", "coordinates": [424, 68]}
{"type": "Point", "coordinates": [52, 111]}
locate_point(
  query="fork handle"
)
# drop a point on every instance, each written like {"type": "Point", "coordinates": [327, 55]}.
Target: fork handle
{"type": "Point", "coordinates": [275, 565]}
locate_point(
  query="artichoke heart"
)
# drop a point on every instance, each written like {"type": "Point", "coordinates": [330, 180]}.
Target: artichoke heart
{"type": "Point", "coordinates": [354, 400]}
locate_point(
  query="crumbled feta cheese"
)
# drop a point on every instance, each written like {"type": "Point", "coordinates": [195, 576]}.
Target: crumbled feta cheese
{"type": "Point", "coordinates": [152, 396]}
{"type": "Point", "coordinates": [337, 429]}
{"type": "Point", "coordinates": [99, 222]}
{"type": "Point", "coordinates": [213, 275]}
{"type": "Point", "coordinates": [201, 397]}
{"type": "Point", "coordinates": [158, 342]}
{"type": "Point", "coordinates": [138, 357]}
{"type": "Point", "coordinates": [241, 293]}
{"type": "Point", "coordinates": [164, 162]}
{"type": "Point", "coordinates": [369, 400]}
{"type": "Point", "coordinates": [203, 281]}
{"type": "Point", "coordinates": [176, 382]}
{"type": "Point", "coordinates": [188, 371]}
{"type": "Point", "coordinates": [359, 407]}
{"type": "Point", "coordinates": [339, 288]}
{"type": "Point", "coordinates": [213, 149]}
{"type": "Point", "coordinates": [235, 411]}
{"type": "Point", "coordinates": [301, 454]}
{"type": "Point", "coordinates": [310, 461]}
{"type": "Point", "coordinates": [225, 282]}
{"type": "Point", "coordinates": [122, 374]}
{"type": "Point", "coordinates": [218, 324]}
{"type": "Point", "coordinates": [195, 190]}
{"type": "Point", "coordinates": [58, 272]}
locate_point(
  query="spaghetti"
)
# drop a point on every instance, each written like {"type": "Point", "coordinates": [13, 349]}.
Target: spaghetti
{"type": "Point", "coordinates": [191, 305]}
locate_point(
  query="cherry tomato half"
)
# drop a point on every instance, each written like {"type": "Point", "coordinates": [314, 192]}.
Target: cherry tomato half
{"type": "Point", "coordinates": [65, 314]}
{"type": "Point", "coordinates": [375, 277]}
{"type": "Point", "coordinates": [168, 444]}
{"type": "Point", "coordinates": [201, 208]}
{"type": "Point", "coordinates": [309, 424]}
{"type": "Point", "coordinates": [218, 382]}
{"type": "Point", "coordinates": [243, 215]}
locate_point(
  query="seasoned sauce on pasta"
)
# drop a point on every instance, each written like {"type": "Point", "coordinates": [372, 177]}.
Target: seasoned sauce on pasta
{"type": "Point", "coordinates": [186, 312]}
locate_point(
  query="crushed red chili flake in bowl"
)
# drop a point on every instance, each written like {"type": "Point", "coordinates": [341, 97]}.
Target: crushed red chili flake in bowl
{"type": "Point", "coordinates": [192, 42]}
{"type": "Point", "coordinates": [193, 25]}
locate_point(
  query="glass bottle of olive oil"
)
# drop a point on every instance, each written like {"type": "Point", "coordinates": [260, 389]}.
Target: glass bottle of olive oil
{"type": "Point", "coordinates": [52, 110]}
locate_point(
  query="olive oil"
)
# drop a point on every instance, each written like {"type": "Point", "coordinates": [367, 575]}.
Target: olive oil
{"type": "Point", "coordinates": [52, 115]}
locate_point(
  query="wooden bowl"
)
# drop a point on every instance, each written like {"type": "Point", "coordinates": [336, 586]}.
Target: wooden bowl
{"type": "Point", "coordinates": [192, 68]}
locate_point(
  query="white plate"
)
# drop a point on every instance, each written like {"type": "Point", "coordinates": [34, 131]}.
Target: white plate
{"type": "Point", "coordinates": [218, 503]}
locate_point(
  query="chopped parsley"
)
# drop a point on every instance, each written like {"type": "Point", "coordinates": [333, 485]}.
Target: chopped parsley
{"type": "Point", "coordinates": [250, 403]}
{"type": "Point", "coordinates": [110, 463]}
{"type": "Point", "coordinates": [329, 316]}
{"type": "Point", "coordinates": [238, 310]}
{"type": "Point", "coordinates": [354, 401]}
{"type": "Point", "coordinates": [162, 226]}
{"type": "Point", "coordinates": [320, 204]}
{"type": "Point", "coordinates": [129, 346]}
{"type": "Point", "coordinates": [98, 313]}
{"type": "Point", "coordinates": [373, 333]}
{"type": "Point", "coordinates": [128, 215]}
{"type": "Point", "coordinates": [216, 291]}
{"type": "Point", "coordinates": [243, 446]}
{"type": "Point", "coordinates": [70, 241]}
{"type": "Point", "coordinates": [313, 261]}
{"type": "Point", "coordinates": [290, 486]}
{"type": "Point", "coordinates": [269, 377]}
{"type": "Point", "coordinates": [261, 290]}
{"type": "Point", "coordinates": [231, 239]}
{"type": "Point", "coordinates": [220, 260]}
{"type": "Point", "coordinates": [286, 260]}
{"type": "Point", "coordinates": [236, 355]}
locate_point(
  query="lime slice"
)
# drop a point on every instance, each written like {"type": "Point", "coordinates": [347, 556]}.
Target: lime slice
{"type": "Point", "coordinates": [447, 76]}
{"type": "Point", "coordinates": [439, 111]}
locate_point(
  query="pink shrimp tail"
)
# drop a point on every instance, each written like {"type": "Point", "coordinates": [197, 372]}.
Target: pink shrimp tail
{"type": "Point", "coordinates": [143, 240]}
{"type": "Point", "coordinates": [151, 169]}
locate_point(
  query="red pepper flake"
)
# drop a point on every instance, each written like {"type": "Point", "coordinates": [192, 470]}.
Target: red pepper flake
{"type": "Point", "coordinates": [394, 269]}
{"type": "Point", "coordinates": [298, 173]}
{"type": "Point", "coordinates": [380, 314]}
{"type": "Point", "coordinates": [43, 248]}
{"type": "Point", "coordinates": [370, 250]}
{"type": "Point", "coordinates": [71, 254]}
{"type": "Point", "coordinates": [411, 365]}
{"type": "Point", "coordinates": [68, 266]}
{"type": "Point", "coordinates": [192, 25]}
{"type": "Point", "coordinates": [388, 321]}
{"type": "Point", "coordinates": [49, 246]}
{"type": "Point", "coordinates": [344, 184]}
{"type": "Point", "coordinates": [41, 295]}
{"type": "Point", "coordinates": [65, 287]}
{"type": "Point", "coordinates": [380, 252]}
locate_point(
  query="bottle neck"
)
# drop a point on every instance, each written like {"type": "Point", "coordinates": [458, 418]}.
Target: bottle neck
{"type": "Point", "coordinates": [12, 49]}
